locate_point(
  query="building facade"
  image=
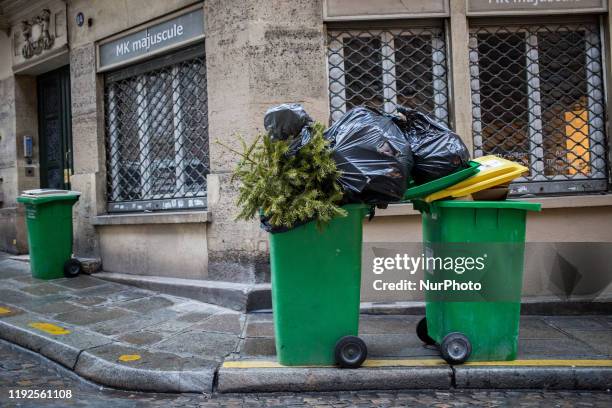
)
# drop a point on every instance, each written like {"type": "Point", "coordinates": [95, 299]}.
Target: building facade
{"type": "Point", "coordinates": [125, 100]}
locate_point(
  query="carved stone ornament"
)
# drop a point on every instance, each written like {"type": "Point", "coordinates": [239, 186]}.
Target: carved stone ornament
{"type": "Point", "coordinates": [36, 37]}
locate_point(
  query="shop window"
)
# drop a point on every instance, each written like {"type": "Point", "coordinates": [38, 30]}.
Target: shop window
{"type": "Point", "coordinates": [386, 68]}
{"type": "Point", "coordinates": [157, 134]}
{"type": "Point", "coordinates": [538, 98]}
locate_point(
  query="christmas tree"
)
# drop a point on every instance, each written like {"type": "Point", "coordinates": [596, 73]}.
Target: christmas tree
{"type": "Point", "coordinates": [288, 189]}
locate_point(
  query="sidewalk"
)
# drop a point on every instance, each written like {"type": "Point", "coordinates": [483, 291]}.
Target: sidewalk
{"type": "Point", "coordinates": [563, 352]}
{"type": "Point", "coordinates": [135, 339]}
{"type": "Point", "coordinates": [117, 335]}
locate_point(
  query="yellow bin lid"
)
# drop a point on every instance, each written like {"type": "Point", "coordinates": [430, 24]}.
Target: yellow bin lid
{"type": "Point", "coordinates": [493, 172]}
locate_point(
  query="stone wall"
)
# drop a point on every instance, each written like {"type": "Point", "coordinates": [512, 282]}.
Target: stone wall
{"type": "Point", "coordinates": [170, 250]}
{"type": "Point", "coordinates": [259, 53]}
{"type": "Point", "coordinates": [113, 16]}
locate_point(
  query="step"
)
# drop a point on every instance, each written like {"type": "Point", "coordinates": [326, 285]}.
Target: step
{"type": "Point", "coordinates": [241, 297]}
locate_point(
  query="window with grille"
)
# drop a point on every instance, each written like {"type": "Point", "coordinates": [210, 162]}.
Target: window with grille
{"type": "Point", "coordinates": [388, 67]}
{"type": "Point", "coordinates": [538, 98]}
{"type": "Point", "coordinates": [157, 134]}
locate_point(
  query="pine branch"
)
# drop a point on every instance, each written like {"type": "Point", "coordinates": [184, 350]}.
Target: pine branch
{"type": "Point", "coordinates": [288, 189]}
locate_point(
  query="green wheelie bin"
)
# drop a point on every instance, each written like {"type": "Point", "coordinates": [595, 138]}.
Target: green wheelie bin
{"type": "Point", "coordinates": [49, 221]}
{"type": "Point", "coordinates": [316, 278]}
{"type": "Point", "coordinates": [479, 328]}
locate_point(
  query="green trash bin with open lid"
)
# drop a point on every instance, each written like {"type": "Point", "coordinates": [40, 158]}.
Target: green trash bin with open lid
{"type": "Point", "coordinates": [48, 216]}
{"type": "Point", "coordinates": [479, 325]}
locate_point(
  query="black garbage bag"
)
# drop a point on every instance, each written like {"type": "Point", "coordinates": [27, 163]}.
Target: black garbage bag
{"type": "Point", "coordinates": [290, 122]}
{"type": "Point", "coordinates": [437, 150]}
{"type": "Point", "coordinates": [373, 155]}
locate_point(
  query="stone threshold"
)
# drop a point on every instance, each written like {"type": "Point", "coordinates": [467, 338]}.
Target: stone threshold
{"type": "Point", "coordinates": [236, 296]}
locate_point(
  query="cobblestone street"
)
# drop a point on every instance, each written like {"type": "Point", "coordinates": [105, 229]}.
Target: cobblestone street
{"type": "Point", "coordinates": [22, 370]}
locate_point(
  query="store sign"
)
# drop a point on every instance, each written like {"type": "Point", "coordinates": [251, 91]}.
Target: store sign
{"type": "Point", "coordinates": [520, 7]}
{"type": "Point", "coordinates": [343, 10]}
{"type": "Point", "coordinates": [152, 40]}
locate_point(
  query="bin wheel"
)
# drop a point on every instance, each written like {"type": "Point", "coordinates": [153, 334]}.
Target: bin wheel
{"type": "Point", "coordinates": [455, 348]}
{"type": "Point", "coordinates": [422, 333]}
{"type": "Point", "coordinates": [350, 352]}
{"type": "Point", "coordinates": [72, 268]}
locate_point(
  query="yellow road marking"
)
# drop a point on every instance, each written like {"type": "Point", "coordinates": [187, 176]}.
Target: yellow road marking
{"type": "Point", "coordinates": [545, 363]}
{"type": "Point", "coordinates": [4, 310]}
{"type": "Point", "coordinates": [129, 357]}
{"type": "Point", "coordinates": [50, 328]}
{"type": "Point", "coordinates": [433, 362]}
{"type": "Point", "coordinates": [252, 364]}
{"type": "Point", "coordinates": [367, 363]}
{"type": "Point", "coordinates": [404, 363]}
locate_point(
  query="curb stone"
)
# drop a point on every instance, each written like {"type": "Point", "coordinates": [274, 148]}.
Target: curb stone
{"type": "Point", "coordinates": [553, 378]}
{"type": "Point", "coordinates": [298, 379]}
{"type": "Point", "coordinates": [332, 379]}
{"type": "Point", "coordinates": [116, 375]}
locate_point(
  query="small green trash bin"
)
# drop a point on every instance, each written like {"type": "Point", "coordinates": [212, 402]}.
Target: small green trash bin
{"type": "Point", "coordinates": [485, 330]}
{"type": "Point", "coordinates": [316, 278]}
{"type": "Point", "coordinates": [49, 220]}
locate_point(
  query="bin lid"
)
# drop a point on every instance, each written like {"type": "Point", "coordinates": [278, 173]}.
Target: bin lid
{"type": "Point", "coordinates": [493, 171]}
{"type": "Point", "coordinates": [44, 195]}
{"type": "Point", "coordinates": [46, 191]}
{"type": "Point", "coordinates": [505, 204]}
{"type": "Point", "coordinates": [426, 189]}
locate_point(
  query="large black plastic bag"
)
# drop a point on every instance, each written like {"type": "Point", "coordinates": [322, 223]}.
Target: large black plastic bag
{"type": "Point", "coordinates": [289, 122]}
{"type": "Point", "coordinates": [373, 155]}
{"type": "Point", "coordinates": [437, 150]}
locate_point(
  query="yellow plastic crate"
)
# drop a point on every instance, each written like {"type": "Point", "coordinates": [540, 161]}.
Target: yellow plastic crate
{"type": "Point", "coordinates": [493, 172]}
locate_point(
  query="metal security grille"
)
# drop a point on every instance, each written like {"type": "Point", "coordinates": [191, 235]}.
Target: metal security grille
{"type": "Point", "coordinates": [388, 67]}
{"type": "Point", "coordinates": [157, 134]}
{"type": "Point", "coordinates": [538, 98]}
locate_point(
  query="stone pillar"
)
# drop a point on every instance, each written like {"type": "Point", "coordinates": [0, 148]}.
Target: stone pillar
{"type": "Point", "coordinates": [18, 118]}
{"type": "Point", "coordinates": [8, 167]}
{"type": "Point", "coordinates": [460, 68]}
{"type": "Point", "coordinates": [259, 53]}
{"type": "Point", "coordinates": [26, 123]}
{"type": "Point", "coordinates": [88, 144]}
{"type": "Point", "coordinates": [8, 146]}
